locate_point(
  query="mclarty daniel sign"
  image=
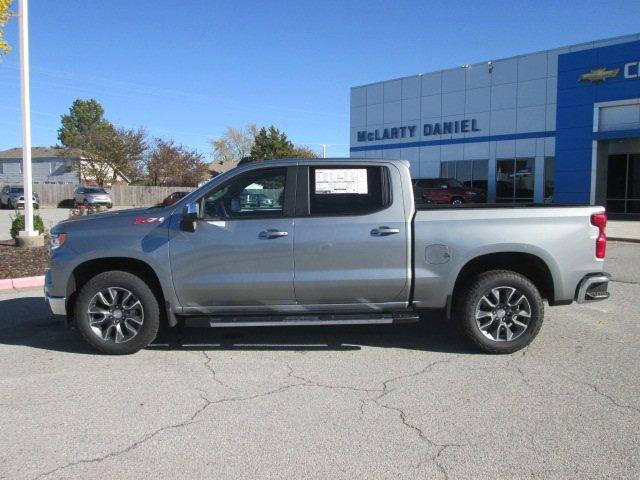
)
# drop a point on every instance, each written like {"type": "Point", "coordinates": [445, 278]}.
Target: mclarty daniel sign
{"type": "Point", "coordinates": [428, 129]}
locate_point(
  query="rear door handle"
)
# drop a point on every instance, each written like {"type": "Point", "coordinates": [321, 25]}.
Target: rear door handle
{"type": "Point", "coordinates": [384, 231]}
{"type": "Point", "coordinates": [272, 233]}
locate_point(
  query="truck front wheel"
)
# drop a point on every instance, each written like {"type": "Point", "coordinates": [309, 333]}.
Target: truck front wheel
{"type": "Point", "coordinates": [117, 313]}
{"type": "Point", "coordinates": [499, 312]}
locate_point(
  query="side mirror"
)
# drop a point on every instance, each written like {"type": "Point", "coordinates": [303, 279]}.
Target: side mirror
{"type": "Point", "coordinates": [189, 217]}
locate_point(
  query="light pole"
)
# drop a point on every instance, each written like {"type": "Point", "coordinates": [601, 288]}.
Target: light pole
{"type": "Point", "coordinates": [28, 236]}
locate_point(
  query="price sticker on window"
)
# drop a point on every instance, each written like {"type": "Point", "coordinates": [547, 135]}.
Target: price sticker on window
{"type": "Point", "coordinates": [333, 181]}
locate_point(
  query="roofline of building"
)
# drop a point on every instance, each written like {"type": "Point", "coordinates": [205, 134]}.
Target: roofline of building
{"type": "Point", "coordinates": [575, 45]}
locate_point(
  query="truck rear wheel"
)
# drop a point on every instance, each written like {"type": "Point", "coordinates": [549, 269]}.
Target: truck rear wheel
{"type": "Point", "coordinates": [117, 313]}
{"type": "Point", "coordinates": [499, 312]}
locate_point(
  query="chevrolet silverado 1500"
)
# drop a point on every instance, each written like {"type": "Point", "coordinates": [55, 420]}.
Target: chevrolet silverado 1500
{"type": "Point", "coordinates": [338, 242]}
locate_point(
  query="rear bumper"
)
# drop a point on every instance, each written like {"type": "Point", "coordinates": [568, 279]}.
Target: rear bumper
{"type": "Point", "coordinates": [593, 288]}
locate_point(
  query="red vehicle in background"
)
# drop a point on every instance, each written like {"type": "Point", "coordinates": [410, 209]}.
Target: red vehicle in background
{"type": "Point", "coordinates": [173, 198]}
{"type": "Point", "coordinates": [446, 190]}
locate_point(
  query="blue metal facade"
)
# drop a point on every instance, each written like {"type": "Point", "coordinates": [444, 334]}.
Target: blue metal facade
{"type": "Point", "coordinates": [575, 112]}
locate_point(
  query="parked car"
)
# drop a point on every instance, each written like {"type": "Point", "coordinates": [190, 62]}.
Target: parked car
{"type": "Point", "coordinates": [446, 190]}
{"type": "Point", "coordinates": [92, 196]}
{"type": "Point", "coordinates": [248, 199]}
{"type": "Point", "coordinates": [13, 197]}
{"type": "Point", "coordinates": [173, 198]}
{"type": "Point", "coordinates": [348, 245]}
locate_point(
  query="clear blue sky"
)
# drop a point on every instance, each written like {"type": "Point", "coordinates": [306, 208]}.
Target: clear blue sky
{"type": "Point", "coordinates": [186, 70]}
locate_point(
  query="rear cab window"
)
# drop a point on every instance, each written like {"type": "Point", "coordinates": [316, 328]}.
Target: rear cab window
{"type": "Point", "coordinates": [348, 190]}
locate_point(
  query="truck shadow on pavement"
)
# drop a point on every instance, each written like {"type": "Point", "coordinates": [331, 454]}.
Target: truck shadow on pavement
{"type": "Point", "coordinates": [27, 322]}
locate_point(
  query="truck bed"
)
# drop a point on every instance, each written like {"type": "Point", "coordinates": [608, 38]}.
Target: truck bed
{"type": "Point", "coordinates": [447, 237]}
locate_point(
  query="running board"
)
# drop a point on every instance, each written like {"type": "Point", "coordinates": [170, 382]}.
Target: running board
{"type": "Point", "coordinates": [299, 320]}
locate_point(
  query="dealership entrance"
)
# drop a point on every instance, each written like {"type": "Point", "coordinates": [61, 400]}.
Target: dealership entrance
{"type": "Point", "coordinates": [623, 183]}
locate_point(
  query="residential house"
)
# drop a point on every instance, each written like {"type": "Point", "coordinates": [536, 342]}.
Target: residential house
{"type": "Point", "coordinates": [50, 165]}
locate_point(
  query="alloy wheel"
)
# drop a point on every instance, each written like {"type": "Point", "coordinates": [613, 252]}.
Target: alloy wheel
{"type": "Point", "coordinates": [503, 314]}
{"type": "Point", "coordinates": [115, 314]}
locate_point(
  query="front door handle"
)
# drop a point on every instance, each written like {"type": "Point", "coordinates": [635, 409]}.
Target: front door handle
{"type": "Point", "coordinates": [384, 231]}
{"type": "Point", "coordinates": [272, 233]}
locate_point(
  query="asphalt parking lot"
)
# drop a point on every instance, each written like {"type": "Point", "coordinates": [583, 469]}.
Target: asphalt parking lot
{"type": "Point", "coordinates": [345, 402]}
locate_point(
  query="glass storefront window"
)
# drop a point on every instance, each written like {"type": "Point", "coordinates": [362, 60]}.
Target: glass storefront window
{"type": "Point", "coordinates": [623, 183]}
{"type": "Point", "coordinates": [515, 180]}
{"type": "Point", "coordinates": [464, 173]}
{"type": "Point", "coordinates": [480, 174]}
{"type": "Point", "coordinates": [549, 172]}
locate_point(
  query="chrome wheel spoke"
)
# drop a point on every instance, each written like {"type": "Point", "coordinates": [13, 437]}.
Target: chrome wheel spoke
{"type": "Point", "coordinates": [133, 306]}
{"type": "Point", "coordinates": [135, 319]}
{"type": "Point", "coordinates": [517, 302]}
{"type": "Point", "coordinates": [519, 323]}
{"type": "Point", "coordinates": [129, 327]}
{"type": "Point", "coordinates": [106, 334]}
{"type": "Point", "coordinates": [508, 332]}
{"type": "Point", "coordinates": [119, 334]}
{"type": "Point", "coordinates": [487, 324]}
{"type": "Point", "coordinates": [103, 299]}
{"type": "Point", "coordinates": [97, 321]}
{"type": "Point", "coordinates": [487, 301]}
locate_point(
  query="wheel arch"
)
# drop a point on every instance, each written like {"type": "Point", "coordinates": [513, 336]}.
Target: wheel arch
{"type": "Point", "coordinates": [84, 271]}
{"type": "Point", "coordinates": [531, 266]}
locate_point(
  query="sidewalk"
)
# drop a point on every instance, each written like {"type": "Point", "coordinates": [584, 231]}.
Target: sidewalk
{"type": "Point", "coordinates": [624, 230]}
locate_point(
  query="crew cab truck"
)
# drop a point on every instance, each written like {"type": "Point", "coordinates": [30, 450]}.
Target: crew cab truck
{"type": "Point", "coordinates": [340, 242]}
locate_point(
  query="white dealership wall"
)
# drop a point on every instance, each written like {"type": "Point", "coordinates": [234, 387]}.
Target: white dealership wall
{"type": "Point", "coordinates": [512, 97]}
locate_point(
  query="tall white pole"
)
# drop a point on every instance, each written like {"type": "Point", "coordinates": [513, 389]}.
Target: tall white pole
{"type": "Point", "coordinates": [26, 119]}
{"type": "Point", "coordinates": [324, 151]}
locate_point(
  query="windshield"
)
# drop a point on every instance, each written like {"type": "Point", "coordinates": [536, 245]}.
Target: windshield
{"type": "Point", "coordinates": [17, 190]}
{"type": "Point", "coordinates": [455, 183]}
{"type": "Point", "coordinates": [94, 190]}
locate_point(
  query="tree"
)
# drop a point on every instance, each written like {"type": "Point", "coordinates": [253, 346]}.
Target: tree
{"type": "Point", "coordinates": [176, 165]}
{"type": "Point", "coordinates": [83, 124]}
{"type": "Point", "coordinates": [106, 150]}
{"type": "Point", "coordinates": [234, 144]}
{"type": "Point", "coordinates": [5, 15]}
{"type": "Point", "coordinates": [304, 152]}
{"type": "Point", "coordinates": [271, 144]}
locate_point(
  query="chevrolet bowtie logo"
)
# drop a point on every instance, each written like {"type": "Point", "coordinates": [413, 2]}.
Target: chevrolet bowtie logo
{"type": "Point", "coordinates": [599, 75]}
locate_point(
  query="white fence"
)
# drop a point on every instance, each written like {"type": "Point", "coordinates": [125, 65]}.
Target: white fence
{"type": "Point", "coordinates": [126, 196]}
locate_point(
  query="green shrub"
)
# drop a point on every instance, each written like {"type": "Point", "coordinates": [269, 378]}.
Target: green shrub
{"type": "Point", "coordinates": [17, 224]}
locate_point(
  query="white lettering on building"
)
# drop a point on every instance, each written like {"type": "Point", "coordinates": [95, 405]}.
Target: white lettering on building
{"type": "Point", "coordinates": [631, 70]}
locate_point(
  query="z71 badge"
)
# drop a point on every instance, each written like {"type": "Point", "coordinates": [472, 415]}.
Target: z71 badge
{"type": "Point", "coordinates": [148, 220]}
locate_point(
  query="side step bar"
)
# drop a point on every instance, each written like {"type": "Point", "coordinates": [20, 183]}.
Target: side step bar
{"type": "Point", "coordinates": [299, 320]}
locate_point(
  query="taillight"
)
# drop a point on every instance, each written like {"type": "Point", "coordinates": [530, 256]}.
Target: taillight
{"type": "Point", "coordinates": [600, 220]}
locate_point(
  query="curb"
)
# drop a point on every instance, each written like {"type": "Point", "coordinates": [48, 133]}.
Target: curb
{"type": "Point", "coordinates": [24, 282]}
{"type": "Point", "coordinates": [625, 240]}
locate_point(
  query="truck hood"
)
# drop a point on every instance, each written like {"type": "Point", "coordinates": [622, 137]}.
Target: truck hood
{"type": "Point", "coordinates": [117, 219]}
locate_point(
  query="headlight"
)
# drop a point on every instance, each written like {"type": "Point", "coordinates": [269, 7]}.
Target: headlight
{"type": "Point", "coordinates": [471, 193]}
{"type": "Point", "coordinates": [57, 240]}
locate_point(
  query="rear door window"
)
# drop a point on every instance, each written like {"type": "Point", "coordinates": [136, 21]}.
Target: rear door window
{"type": "Point", "coordinates": [348, 190]}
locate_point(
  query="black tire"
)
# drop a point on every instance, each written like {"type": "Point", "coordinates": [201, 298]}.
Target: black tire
{"type": "Point", "coordinates": [470, 297]}
{"type": "Point", "coordinates": [118, 279]}
{"type": "Point", "coordinates": [457, 201]}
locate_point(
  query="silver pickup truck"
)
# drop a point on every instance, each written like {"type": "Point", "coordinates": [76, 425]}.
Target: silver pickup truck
{"type": "Point", "coordinates": [338, 242]}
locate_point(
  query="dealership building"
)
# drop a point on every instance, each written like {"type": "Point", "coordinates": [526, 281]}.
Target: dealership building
{"type": "Point", "coordinates": [560, 125]}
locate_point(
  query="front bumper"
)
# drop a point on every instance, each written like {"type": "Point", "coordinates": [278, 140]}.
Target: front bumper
{"type": "Point", "coordinates": [57, 305]}
{"type": "Point", "coordinates": [593, 288]}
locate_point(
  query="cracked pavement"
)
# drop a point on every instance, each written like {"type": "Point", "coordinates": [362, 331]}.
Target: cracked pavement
{"type": "Point", "coordinates": [404, 401]}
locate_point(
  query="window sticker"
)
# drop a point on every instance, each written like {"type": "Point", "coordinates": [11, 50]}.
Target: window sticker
{"type": "Point", "coordinates": [341, 180]}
